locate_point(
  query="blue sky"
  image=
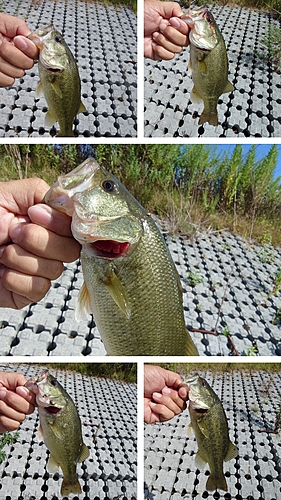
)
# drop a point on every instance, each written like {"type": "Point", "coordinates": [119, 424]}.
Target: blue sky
{"type": "Point", "coordinates": [261, 152]}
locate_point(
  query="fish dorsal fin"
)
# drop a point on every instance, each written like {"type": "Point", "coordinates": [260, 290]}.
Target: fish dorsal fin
{"type": "Point", "coordinates": [50, 119]}
{"type": "Point", "coordinates": [52, 465]}
{"type": "Point", "coordinates": [56, 88]}
{"type": "Point", "coordinates": [200, 461]}
{"type": "Point", "coordinates": [39, 90]}
{"type": "Point", "coordinates": [82, 108]}
{"type": "Point", "coordinates": [231, 452]}
{"type": "Point", "coordinates": [228, 88]}
{"type": "Point", "coordinates": [83, 306]}
{"type": "Point", "coordinates": [118, 293]}
{"type": "Point", "coordinates": [85, 452]}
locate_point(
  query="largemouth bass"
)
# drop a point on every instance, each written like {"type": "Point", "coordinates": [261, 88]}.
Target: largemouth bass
{"type": "Point", "coordinates": [59, 79]}
{"type": "Point", "coordinates": [209, 423]}
{"type": "Point", "coordinates": [60, 427]}
{"type": "Point", "coordinates": [131, 283]}
{"type": "Point", "coordinates": [208, 62]}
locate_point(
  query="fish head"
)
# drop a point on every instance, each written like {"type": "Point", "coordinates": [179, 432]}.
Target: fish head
{"type": "Point", "coordinates": [203, 32]}
{"type": "Point", "coordinates": [54, 52]}
{"type": "Point", "coordinates": [201, 396]}
{"type": "Point", "coordinates": [50, 395]}
{"type": "Point", "coordinates": [106, 218]}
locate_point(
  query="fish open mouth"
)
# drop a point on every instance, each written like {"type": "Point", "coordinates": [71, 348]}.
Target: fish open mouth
{"type": "Point", "coordinates": [110, 249]}
{"type": "Point", "coordinates": [52, 410]}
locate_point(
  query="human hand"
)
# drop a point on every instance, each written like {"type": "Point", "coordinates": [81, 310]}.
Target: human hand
{"type": "Point", "coordinates": [35, 240]}
{"type": "Point", "coordinates": [17, 53]}
{"type": "Point", "coordinates": [161, 399]}
{"type": "Point", "coordinates": [164, 33]}
{"type": "Point", "coordinates": [16, 401]}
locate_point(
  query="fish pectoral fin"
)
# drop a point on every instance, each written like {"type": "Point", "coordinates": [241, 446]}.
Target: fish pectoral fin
{"type": "Point", "coordinates": [40, 433]}
{"type": "Point", "coordinates": [118, 293]}
{"type": "Point", "coordinates": [50, 119]}
{"type": "Point", "coordinates": [83, 307]}
{"type": "Point", "coordinates": [202, 66]}
{"type": "Point", "coordinates": [195, 97]}
{"type": "Point", "coordinates": [85, 453]}
{"type": "Point", "coordinates": [82, 108]}
{"type": "Point", "coordinates": [228, 88]}
{"type": "Point", "coordinates": [200, 461]}
{"type": "Point", "coordinates": [232, 452]}
{"type": "Point", "coordinates": [52, 465]}
{"type": "Point", "coordinates": [203, 429]}
{"type": "Point", "coordinates": [39, 90]}
{"type": "Point", "coordinates": [190, 429]}
{"type": "Point", "coordinates": [56, 88]}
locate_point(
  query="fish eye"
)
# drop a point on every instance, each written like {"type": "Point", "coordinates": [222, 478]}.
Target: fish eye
{"type": "Point", "coordinates": [108, 186]}
{"type": "Point", "coordinates": [53, 382]}
{"type": "Point", "coordinates": [58, 39]}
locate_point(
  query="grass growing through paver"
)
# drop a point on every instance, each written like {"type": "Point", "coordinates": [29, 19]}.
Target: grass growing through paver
{"type": "Point", "coordinates": [7, 439]}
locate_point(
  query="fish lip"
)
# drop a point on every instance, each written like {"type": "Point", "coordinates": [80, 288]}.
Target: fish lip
{"type": "Point", "coordinates": [100, 250]}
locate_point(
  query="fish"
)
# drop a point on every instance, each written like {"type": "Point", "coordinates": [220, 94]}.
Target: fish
{"type": "Point", "coordinates": [209, 422]}
{"type": "Point", "coordinates": [131, 284]}
{"type": "Point", "coordinates": [208, 63]}
{"type": "Point", "coordinates": [60, 427]}
{"type": "Point", "coordinates": [59, 79]}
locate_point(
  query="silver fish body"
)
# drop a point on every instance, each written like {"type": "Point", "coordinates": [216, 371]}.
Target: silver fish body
{"type": "Point", "coordinates": [208, 63]}
{"type": "Point", "coordinates": [59, 79]}
{"type": "Point", "coordinates": [131, 283]}
{"type": "Point", "coordinates": [60, 427]}
{"type": "Point", "coordinates": [209, 423]}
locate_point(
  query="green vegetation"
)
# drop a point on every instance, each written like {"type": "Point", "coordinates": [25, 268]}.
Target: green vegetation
{"type": "Point", "coordinates": [6, 438]}
{"type": "Point", "coordinates": [271, 47]}
{"type": "Point", "coordinates": [185, 368]}
{"type": "Point", "coordinates": [126, 372]}
{"type": "Point", "coordinates": [276, 283]}
{"type": "Point", "coordinates": [194, 278]}
{"type": "Point", "coordinates": [193, 187]}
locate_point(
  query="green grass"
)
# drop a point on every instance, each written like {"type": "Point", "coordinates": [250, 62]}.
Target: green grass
{"type": "Point", "coordinates": [216, 368]}
{"type": "Point", "coordinates": [125, 372]}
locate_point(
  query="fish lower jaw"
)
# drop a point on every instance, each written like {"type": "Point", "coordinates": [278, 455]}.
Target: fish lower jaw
{"type": "Point", "coordinates": [107, 249]}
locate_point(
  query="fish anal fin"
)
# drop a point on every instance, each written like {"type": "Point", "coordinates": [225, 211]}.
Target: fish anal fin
{"type": "Point", "coordinates": [118, 293]}
{"type": "Point", "coordinates": [56, 88]}
{"type": "Point", "coordinates": [216, 482]}
{"type": "Point", "coordinates": [232, 452]}
{"type": "Point", "coordinates": [82, 108]}
{"type": "Point", "coordinates": [69, 487]}
{"type": "Point", "coordinates": [85, 452]}
{"type": "Point", "coordinates": [50, 119]}
{"type": "Point", "coordinates": [228, 88]}
{"type": "Point", "coordinates": [83, 306]}
{"type": "Point", "coordinates": [52, 465]}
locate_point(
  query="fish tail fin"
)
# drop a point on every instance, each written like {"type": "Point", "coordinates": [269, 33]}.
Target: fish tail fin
{"type": "Point", "coordinates": [210, 117]}
{"type": "Point", "coordinates": [191, 349]}
{"type": "Point", "coordinates": [215, 482]}
{"type": "Point", "coordinates": [70, 486]}
{"type": "Point", "coordinates": [68, 134]}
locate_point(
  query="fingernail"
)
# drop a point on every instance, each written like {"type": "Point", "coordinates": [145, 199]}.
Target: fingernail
{"type": "Point", "coordinates": [15, 232]}
{"type": "Point", "coordinates": [40, 214]}
{"type": "Point", "coordinates": [155, 34]}
{"type": "Point", "coordinates": [166, 390]}
{"type": "Point", "coordinates": [175, 22]}
{"type": "Point", "coordinates": [157, 394]}
{"type": "Point", "coordinates": [21, 42]}
{"type": "Point", "coordinates": [3, 393]}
